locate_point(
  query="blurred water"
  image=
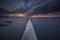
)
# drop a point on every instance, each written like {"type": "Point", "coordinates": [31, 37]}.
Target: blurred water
{"type": "Point", "coordinates": [14, 30]}
{"type": "Point", "coordinates": [45, 28]}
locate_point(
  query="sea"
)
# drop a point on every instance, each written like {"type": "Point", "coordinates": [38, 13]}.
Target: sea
{"type": "Point", "coordinates": [47, 28]}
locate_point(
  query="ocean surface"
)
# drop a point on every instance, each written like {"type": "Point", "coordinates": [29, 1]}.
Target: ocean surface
{"type": "Point", "coordinates": [45, 28]}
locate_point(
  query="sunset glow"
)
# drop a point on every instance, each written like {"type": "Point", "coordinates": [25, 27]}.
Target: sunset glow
{"type": "Point", "coordinates": [44, 15]}
{"type": "Point", "coordinates": [32, 16]}
{"type": "Point", "coordinates": [15, 15]}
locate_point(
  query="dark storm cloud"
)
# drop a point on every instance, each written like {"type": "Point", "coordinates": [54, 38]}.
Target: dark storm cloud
{"type": "Point", "coordinates": [29, 6]}
{"type": "Point", "coordinates": [2, 10]}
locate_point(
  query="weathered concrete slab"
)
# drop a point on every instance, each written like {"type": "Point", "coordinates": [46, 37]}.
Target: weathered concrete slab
{"type": "Point", "coordinates": [29, 33]}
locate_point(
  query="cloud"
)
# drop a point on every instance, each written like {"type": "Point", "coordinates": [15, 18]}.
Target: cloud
{"type": "Point", "coordinates": [45, 6]}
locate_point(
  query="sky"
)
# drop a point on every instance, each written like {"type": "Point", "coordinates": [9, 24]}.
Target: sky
{"type": "Point", "coordinates": [29, 6]}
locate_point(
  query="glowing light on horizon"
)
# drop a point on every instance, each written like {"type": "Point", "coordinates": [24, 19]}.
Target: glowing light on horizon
{"type": "Point", "coordinates": [44, 15]}
{"type": "Point", "coordinates": [32, 16]}
{"type": "Point", "coordinates": [15, 15]}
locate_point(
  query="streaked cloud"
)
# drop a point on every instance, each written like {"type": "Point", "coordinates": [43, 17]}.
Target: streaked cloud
{"type": "Point", "coordinates": [41, 5]}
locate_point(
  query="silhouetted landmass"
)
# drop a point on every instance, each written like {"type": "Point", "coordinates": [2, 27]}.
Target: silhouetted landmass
{"type": "Point", "coordinates": [8, 22]}
{"type": "Point", "coordinates": [2, 25]}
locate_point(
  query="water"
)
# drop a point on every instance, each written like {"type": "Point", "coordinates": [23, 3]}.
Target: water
{"type": "Point", "coordinates": [42, 28]}
{"type": "Point", "coordinates": [14, 30]}
{"type": "Point", "coordinates": [47, 28]}
{"type": "Point", "coordinates": [29, 33]}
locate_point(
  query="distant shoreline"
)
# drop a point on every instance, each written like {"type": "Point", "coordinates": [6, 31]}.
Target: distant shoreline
{"type": "Point", "coordinates": [26, 17]}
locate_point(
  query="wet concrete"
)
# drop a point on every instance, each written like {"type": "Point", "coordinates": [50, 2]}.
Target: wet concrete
{"type": "Point", "coordinates": [29, 33]}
